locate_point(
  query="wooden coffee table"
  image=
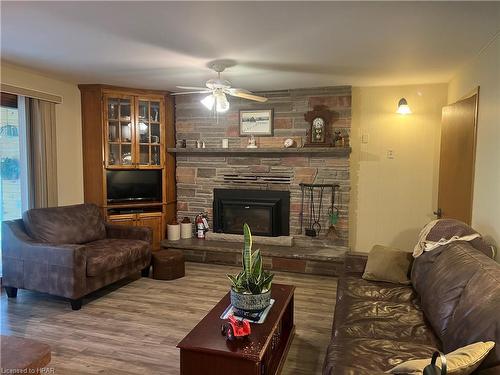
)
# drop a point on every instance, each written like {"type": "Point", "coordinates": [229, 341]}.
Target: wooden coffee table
{"type": "Point", "coordinates": [20, 354]}
{"type": "Point", "coordinates": [205, 351]}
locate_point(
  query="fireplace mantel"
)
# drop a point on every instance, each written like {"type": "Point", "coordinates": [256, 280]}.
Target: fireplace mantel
{"type": "Point", "coordinates": [324, 151]}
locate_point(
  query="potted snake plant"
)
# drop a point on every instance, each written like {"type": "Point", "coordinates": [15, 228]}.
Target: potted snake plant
{"type": "Point", "coordinates": [251, 288]}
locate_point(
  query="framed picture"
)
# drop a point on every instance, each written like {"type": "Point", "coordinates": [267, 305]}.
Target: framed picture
{"type": "Point", "coordinates": [256, 122]}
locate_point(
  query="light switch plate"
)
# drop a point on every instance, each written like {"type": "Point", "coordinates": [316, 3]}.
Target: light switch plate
{"type": "Point", "coordinates": [364, 138]}
{"type": "Point", "coordinates": [390, 154]}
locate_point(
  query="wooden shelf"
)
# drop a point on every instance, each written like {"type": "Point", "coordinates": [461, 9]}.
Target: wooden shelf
{"type": "Point", "coordinates": [132, 205]}
{"type": "Point", "coordinates": [326, 151]}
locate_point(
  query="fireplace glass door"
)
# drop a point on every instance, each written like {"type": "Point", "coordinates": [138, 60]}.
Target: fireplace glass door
{"type": "Point", "coordinates": [258, 217]}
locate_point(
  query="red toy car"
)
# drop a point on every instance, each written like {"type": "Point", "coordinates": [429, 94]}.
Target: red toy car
{"type": "Point", "coordinates": [235, 328]}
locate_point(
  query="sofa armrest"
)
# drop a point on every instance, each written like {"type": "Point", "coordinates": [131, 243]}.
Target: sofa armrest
{"type": "Point", "coordinates": [58, 269]}
{"type": "Point", "coordinates": [355, 262]}
{"type": "Point", "coordinates": [16, 244]}
{"type": "Point", "coordinates": [129, 232]}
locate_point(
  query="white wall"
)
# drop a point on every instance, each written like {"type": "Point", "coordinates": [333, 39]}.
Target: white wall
{"type": "Point", "coordinates": [391, 199]}
{"type": "Point", "coordinates": [484, 71]}
{"type": "Point", "coordinates": [68, 127]}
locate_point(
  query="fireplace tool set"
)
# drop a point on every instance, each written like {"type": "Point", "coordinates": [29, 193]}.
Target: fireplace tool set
{"type": "Point", "coordinates": [314, 227]}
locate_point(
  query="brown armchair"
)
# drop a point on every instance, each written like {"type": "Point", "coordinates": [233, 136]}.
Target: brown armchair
{"type": "Point", "coordinates": [70, 251]}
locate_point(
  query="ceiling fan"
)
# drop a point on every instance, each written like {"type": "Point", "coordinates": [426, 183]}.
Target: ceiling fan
{"type": "Point", "coordinates": [217, 90]}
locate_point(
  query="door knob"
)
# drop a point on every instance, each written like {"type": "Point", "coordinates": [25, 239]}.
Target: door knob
{"type": "Point", "coordinates": [438, 213]}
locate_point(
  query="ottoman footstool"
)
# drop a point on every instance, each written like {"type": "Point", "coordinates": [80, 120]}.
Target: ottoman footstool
{"type": "Point", "coordinates": [168, 264]}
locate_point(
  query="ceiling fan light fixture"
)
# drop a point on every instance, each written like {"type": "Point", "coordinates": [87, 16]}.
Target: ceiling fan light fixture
{"type": "Point", "coordinates": [222, 104]}
{"type": "Point", "coordinates": [403, 107]}
{"type": "Point", "coordinates": [208, 101]}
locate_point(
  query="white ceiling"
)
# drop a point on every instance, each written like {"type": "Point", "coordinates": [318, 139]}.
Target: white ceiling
{"type": "Point", "coordinates": [274, 44]}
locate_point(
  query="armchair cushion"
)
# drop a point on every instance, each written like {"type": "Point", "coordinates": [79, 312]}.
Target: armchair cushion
{"type": "Point", "coordinates": [76, 224]}
{"type": "Point", "coordinates": [107, 254]}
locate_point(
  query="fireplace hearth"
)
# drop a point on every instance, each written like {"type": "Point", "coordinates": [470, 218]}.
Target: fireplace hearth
{"type": "Point", "coordinates": [267, 212]}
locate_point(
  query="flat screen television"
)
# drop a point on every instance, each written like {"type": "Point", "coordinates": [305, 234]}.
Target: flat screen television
{"type": "Point", "coordinates": [134, 185]}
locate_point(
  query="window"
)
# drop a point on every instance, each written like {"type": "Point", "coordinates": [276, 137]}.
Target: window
{"type": "Point", "coordinates": [10, 173]}
{"type": "Point", "coordinates": [12, 159]}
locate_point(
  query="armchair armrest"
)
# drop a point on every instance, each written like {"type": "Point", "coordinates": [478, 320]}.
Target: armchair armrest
{"type": "Point", "coordinates": [129, 232]}
{"type": "Point", "coordinates": [355, 262]}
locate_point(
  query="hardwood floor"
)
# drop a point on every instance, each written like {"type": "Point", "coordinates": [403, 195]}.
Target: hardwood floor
{"type": "Point", "coordinates": [133, 327]}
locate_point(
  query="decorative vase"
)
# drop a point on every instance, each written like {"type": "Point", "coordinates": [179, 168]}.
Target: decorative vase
{"type": "Point", "coordinates": [186, 230]}
{"type": "Point", "coordinates": [250, 302]}
{"type": "Point", "coordinates": [173, 232]}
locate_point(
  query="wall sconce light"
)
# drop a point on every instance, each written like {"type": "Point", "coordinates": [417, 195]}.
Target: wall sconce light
{"type": "Point", "coordinates": [403, 107]}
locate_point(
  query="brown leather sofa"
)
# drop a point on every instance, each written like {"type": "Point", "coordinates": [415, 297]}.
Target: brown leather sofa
{"type": "Point", "coordinates": [454, 300]}
{"type": "Point", "coordinates": [70, 251]}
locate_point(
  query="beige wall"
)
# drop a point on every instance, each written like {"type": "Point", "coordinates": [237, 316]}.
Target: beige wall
{"type": "Point", "coordinates": [391, 199]}
{"type": "Point", "coordinates": [484, 71]}
{"type": "Point", "coordinates": [68, 127]}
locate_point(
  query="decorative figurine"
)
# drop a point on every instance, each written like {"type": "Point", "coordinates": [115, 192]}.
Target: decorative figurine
{"type": "Point", "coordinates": [346, 139]}
{"type": "Point", "coordinates": [289, 143]}
{"type": "Point", "coordinates": [235, 328]}
{"type": "Point", "coordinates": [251, 142]}
{"type": "Point", "coordinates": [338, 140]}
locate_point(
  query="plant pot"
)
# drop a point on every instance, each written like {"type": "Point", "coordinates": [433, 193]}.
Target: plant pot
{"type": "Point", "coordinates": [250, 302]}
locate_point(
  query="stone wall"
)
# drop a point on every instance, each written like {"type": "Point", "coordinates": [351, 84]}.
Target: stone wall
{"type": "Point", "coordinates": [197, 175]}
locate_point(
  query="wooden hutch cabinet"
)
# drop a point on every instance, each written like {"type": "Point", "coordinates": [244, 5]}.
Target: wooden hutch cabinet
{"type": "Point", "coordinates": [129, 130]}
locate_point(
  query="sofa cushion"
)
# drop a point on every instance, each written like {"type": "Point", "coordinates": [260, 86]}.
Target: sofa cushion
{"type": "Point", "coordinates": [356, 287]}
{"type": "Point", "coordinates": [382, 320]}
{"type": "Point", "coordinates": [370, 356]}
{"type": "Point", "coordinates": [76, 224]}
{"type": "Point", "coordinates": [105, 255]}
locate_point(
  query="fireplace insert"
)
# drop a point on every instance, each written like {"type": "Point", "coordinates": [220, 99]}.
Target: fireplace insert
{"type": "Point", "coordinates": [267, 212]}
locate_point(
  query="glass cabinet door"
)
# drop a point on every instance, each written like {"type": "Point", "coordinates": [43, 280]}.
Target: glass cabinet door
{"type": "Point", "coordinates": [120, 131]}
{"type": "Point", "coordinates": [148, 132]}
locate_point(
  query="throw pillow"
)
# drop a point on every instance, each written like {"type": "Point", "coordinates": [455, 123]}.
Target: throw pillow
{"type": "Point", "coordinates": [462, 361]}
{"type": "Point", "coordinates": [388, 264]}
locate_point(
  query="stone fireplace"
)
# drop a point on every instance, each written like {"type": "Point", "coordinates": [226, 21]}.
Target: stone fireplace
{"type": "Point", "coordinates": [202, 174]}
{"type": "Point", "coordinates": [267, 212]}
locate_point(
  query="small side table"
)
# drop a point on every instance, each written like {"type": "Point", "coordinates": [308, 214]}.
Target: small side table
{"type": "Point", "coordinates": [168, 264]}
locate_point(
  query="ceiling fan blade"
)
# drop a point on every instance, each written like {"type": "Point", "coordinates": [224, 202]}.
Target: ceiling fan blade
{"type": "Point", "coordinates": [231, 90]}
{"type": "Point", "coordinates": [191, 88]}
{"type": "Point", "coordinates": [245, 94]}
{"type": "Point", "coordinates": [191, 92]}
